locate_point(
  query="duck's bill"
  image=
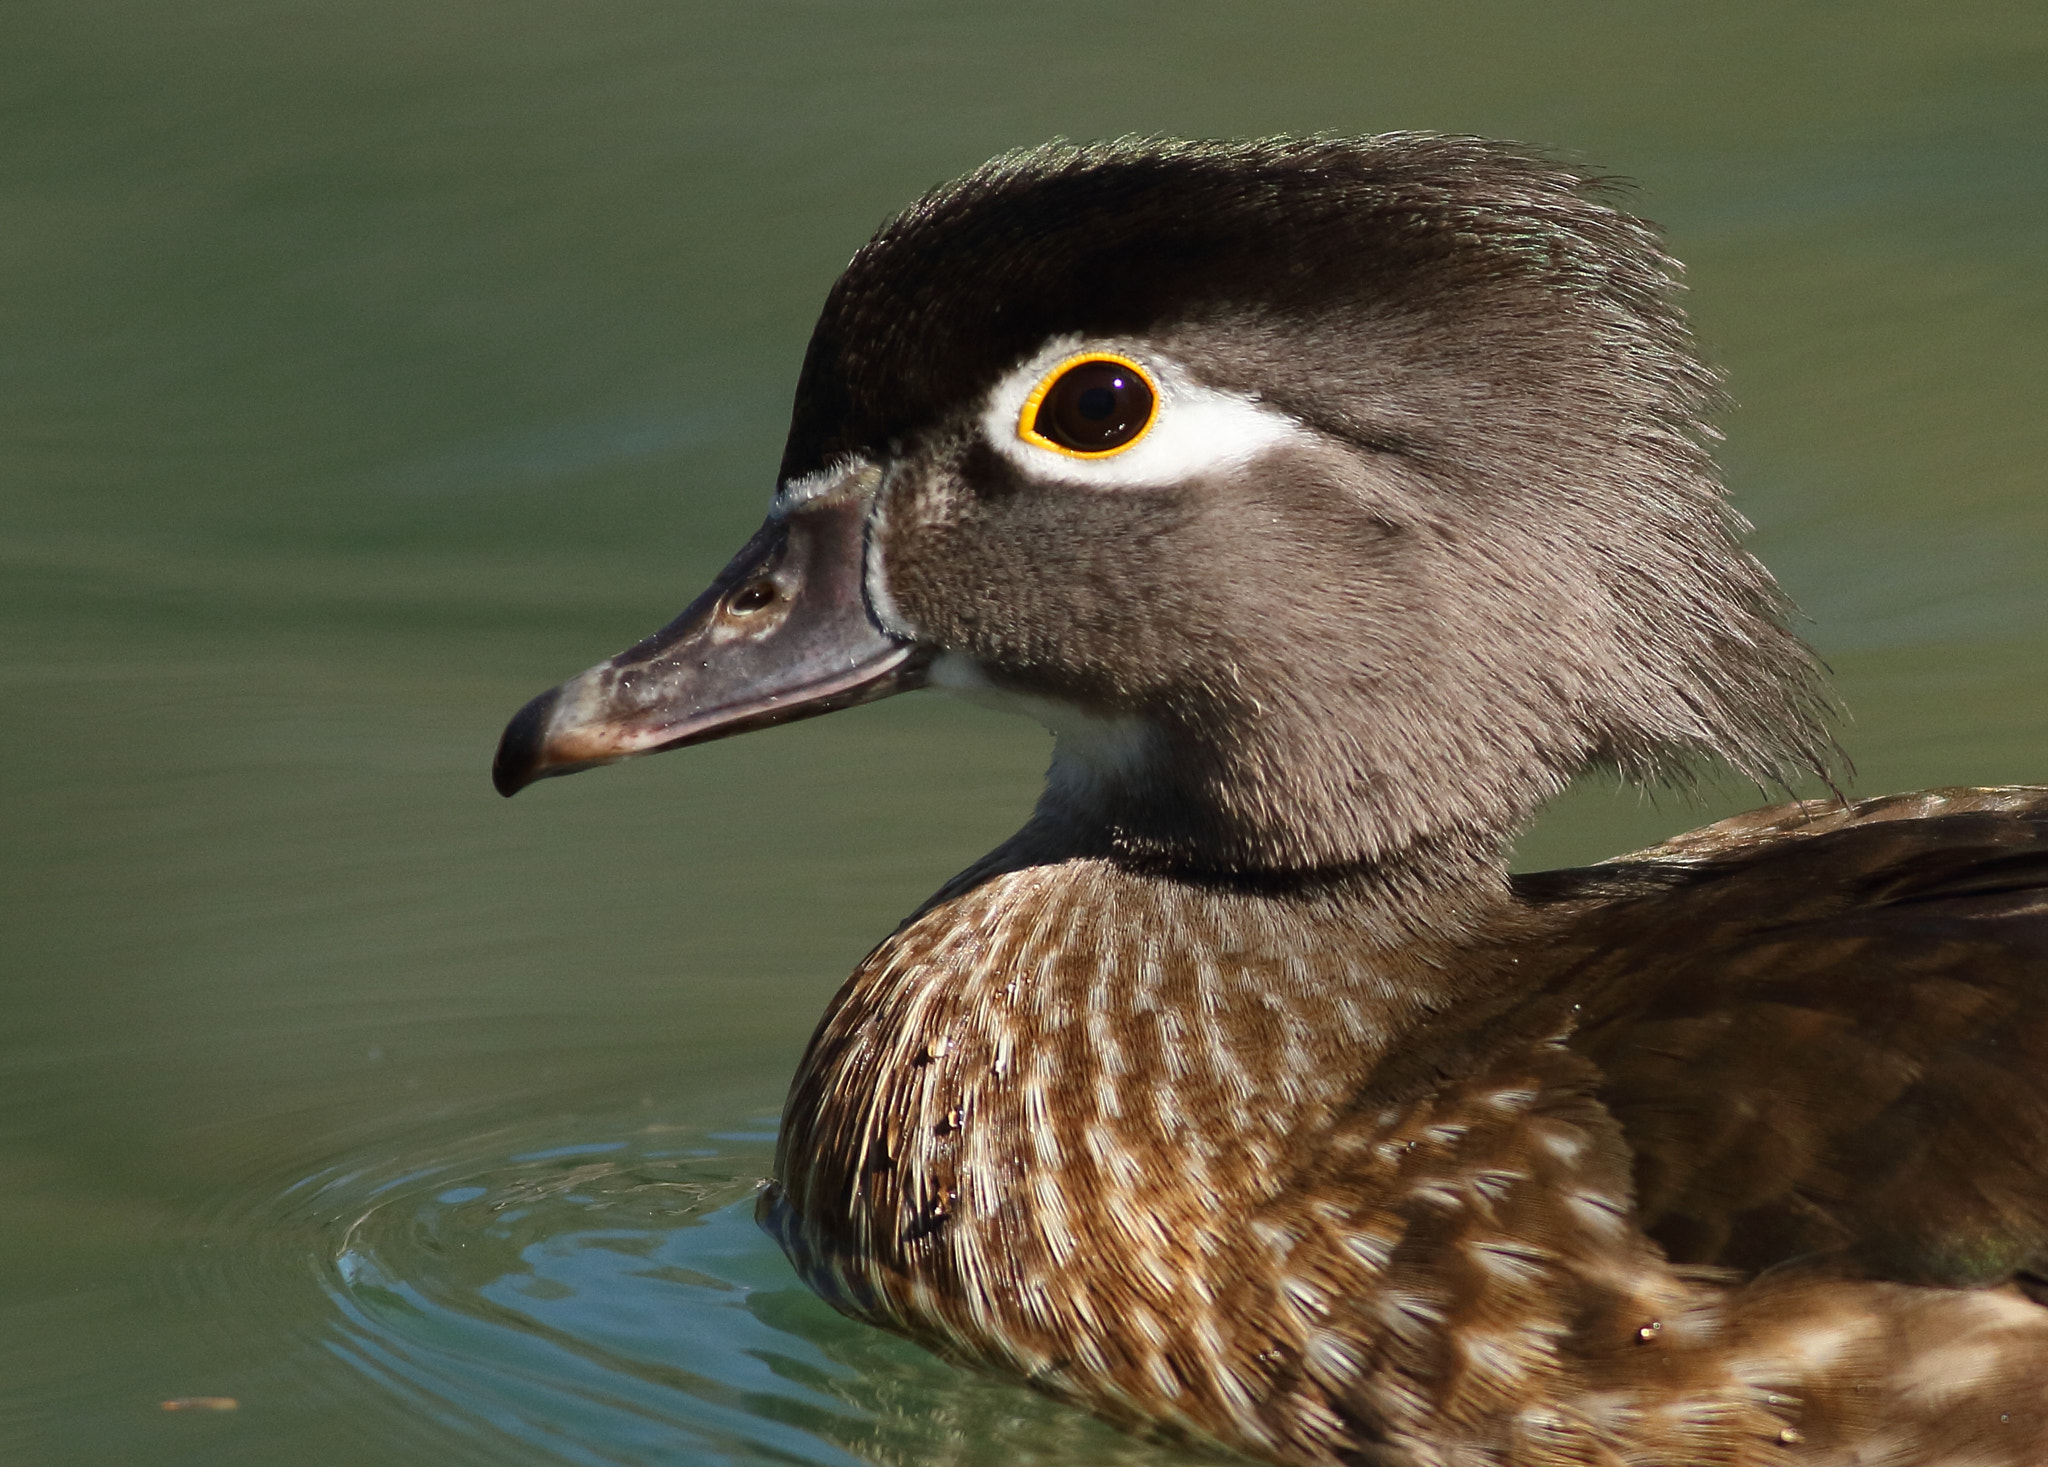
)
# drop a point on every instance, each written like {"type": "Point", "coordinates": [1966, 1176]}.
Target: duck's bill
{"type": "Point", "coordinates": [783, 633]}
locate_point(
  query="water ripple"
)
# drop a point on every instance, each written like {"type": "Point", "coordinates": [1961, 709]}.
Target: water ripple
{"type": "Point", "coordinates": [605, 1298]}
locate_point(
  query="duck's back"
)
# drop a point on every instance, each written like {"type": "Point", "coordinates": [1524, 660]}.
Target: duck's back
{"type": "Point", "coordinates": [1824, 1031]}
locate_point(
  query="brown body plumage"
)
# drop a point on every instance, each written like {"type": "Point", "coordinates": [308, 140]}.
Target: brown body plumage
{"type": "Point", "coordinates": [1215, 1159]}
{"type": "Point", "coordinates": [1243, 1096]}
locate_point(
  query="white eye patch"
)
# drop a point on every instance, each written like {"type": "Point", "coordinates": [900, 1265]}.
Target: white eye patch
{"type": "Point", "coordinates": [1196, 429]}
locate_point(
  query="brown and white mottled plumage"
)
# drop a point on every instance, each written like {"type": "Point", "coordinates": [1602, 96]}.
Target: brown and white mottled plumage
{"type": "Point", "coordinates": [1242, 1096]}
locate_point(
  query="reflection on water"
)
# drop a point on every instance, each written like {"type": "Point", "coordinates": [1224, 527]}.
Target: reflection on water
{"type": "Point", "coordinates": [611, 1301]}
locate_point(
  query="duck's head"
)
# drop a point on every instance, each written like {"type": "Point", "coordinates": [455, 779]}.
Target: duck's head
{"type": "Point", "coordinates": [1331, 500]}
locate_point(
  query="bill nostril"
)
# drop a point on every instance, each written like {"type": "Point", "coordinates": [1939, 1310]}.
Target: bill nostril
{"type": "Point", "coordinates": [751, 597]}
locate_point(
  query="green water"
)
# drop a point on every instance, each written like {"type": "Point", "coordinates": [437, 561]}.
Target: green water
{"type": "Point", "coordinates": [366, 367]}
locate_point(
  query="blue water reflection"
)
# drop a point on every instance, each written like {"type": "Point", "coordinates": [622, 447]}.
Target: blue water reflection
{"type": "Point", "coordinates": [627, 1310]}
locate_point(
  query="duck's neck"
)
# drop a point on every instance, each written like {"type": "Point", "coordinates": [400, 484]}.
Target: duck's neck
{"type": "Point", "coordinates": [1232, 790]}
{"type": "Point", "coordinates": [1443, 889]}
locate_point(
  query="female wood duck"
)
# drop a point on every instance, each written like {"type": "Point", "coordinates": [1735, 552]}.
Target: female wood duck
{"type": "Point", "coordinates": [1335, 503]}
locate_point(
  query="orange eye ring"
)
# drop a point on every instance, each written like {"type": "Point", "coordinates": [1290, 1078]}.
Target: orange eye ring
{"type": "Point", "coordinates": [1092, 405]}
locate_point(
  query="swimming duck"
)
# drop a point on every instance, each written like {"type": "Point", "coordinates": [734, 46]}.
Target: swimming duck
{"type": "Point", "coordinates": [1335, 503]}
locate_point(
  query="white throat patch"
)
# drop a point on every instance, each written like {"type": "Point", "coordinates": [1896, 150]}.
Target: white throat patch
{"type": "Point", "coordinates": [1089, 750]}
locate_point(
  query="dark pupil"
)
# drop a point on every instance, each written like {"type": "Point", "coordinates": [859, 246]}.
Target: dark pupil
{"type": "Point", "coordinates": [1094, 407]}
{"type": "Point", "coordinates": [1097, 403]}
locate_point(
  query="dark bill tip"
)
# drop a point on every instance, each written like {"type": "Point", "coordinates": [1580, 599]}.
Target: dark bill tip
{"type": "Point", "coordinates": [521, 750]}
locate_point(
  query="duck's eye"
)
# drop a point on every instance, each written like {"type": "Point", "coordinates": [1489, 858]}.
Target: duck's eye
{"type": "Point", "coordinates": [1090, 407]}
